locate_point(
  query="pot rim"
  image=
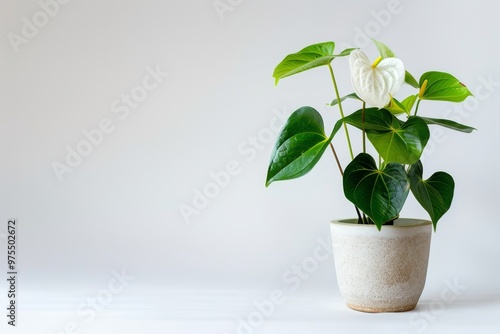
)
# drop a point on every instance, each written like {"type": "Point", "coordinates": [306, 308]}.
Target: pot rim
{"type": "Point", "coordinates": [398, 223]}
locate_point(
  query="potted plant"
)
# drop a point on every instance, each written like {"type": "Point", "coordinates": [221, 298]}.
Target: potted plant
{"type": "Point", "coordinates": [380, 259]}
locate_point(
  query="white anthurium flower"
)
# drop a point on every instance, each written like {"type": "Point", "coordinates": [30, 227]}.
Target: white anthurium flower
{"type": "Point", "coordinates": [375, 83]}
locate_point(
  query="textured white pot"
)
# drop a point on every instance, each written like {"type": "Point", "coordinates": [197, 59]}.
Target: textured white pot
{"type": "Point", "coordinates": [381, 271]}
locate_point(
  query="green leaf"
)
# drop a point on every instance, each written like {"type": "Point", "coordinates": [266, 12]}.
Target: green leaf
{"type": "Point", "coordinates": [394, 140]}
{"type": "Point", "coordinates": [383, 49]}
{"type": "Point", "coordinates": [403, 144]}
{"type": "Point", "coordinates": [448, 124]}
{"type": "Point", "coordinates": [350, 96]}
{"type": "Point", "coordinates": [312, 56]}
{"type": "Point", "coordinates": [442, 86]}
{"type": "Point", "coordinates": [375, 119]}
{"type": "Point", "coordinates": [346, 52]}
{"type": "Point", "coordinates": [396, 107]}
{"type": "Point", "coordinates": [405, 106]}
{"type": "Point", "coordinates": [409, 102]}
{"type": "Point", "coordinates": [299, 146]}
{"type": "Point", "coordinates": [309, 57]}
{"type": "Point", "coordinates": [410, 80]}
{"type": "Point", "coordinates": [380, 194]}
{"type": "Point", "coordinates": [434, 194]}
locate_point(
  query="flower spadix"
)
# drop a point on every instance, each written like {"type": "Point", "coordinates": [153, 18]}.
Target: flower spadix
{"type": "Point", "coordinates": [375, 83]}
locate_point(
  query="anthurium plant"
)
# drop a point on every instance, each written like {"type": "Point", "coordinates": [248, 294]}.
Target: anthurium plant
{"type": "Point", "coordinates": [397, 129]}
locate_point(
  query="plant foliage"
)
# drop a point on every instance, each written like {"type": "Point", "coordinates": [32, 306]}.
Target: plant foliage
{"type": "Point", "coordinates": [396, 131]}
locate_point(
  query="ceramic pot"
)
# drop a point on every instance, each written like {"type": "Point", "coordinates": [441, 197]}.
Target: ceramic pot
{"type": "Point", "coordinates": [381, 271]}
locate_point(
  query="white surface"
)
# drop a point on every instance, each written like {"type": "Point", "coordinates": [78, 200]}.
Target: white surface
{"type": "Point", "coordinates": [224, 311]}
{"type": "Point", "coordinates": [119, 208]}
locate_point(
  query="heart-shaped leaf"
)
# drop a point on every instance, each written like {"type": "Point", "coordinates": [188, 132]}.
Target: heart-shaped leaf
{"type": "Point", "coordinates": [299, 146]}
{"type": "Point", "coordinates": [441, 86]}
{"type": "Point", "coordinates": [449, 124]}
{"type": "Point", "coordinates": [394, 140]}
{"type": "Point", "coordinates": [309, 57]}
{"type": "Point", "coordinates": [375, 83]}
{"type": "Point", "coordinates": [380, 194]}
{"type": "Point", "coordinates": [403, 144]}
{"type": "Point", "coordinates": [434, 194]}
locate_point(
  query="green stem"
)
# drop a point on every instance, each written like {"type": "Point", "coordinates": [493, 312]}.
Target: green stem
{"type": "Point", "coordinates": [341, 110]}
{"type": "Point", "coordinates": [337, 95]}
{"type": "Point", "coordinates": [416, 108]}
{"type": "Point", "coordinates": [342, 174]}
{"type": "Point", "coordinates": [363, 126]}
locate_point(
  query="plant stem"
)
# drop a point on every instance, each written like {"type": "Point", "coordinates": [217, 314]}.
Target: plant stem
{"type": "Point", "coordinates": [359, 215]}
{"type": "Point", "coordinates": [337, 95]}
{"type": "Point", "coordinates": [337, 159]}
{"type": "Point", "coordinates": [341, 110]}
{"type": "Point", "coordinates": [363, 126]}
{"type": "Point", "coordinates": [416, 108]}
{"type": "Point", "coordinates": [342, 174]}
{"type": "Point", "coordinates": [365, 221]}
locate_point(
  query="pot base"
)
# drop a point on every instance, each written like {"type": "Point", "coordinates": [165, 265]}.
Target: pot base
{"type": "Point", "coordinates": [368, 309]}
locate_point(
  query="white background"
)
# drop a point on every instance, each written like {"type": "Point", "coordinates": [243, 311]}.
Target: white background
{"type": "Point", "coordinates": [118, 210]}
